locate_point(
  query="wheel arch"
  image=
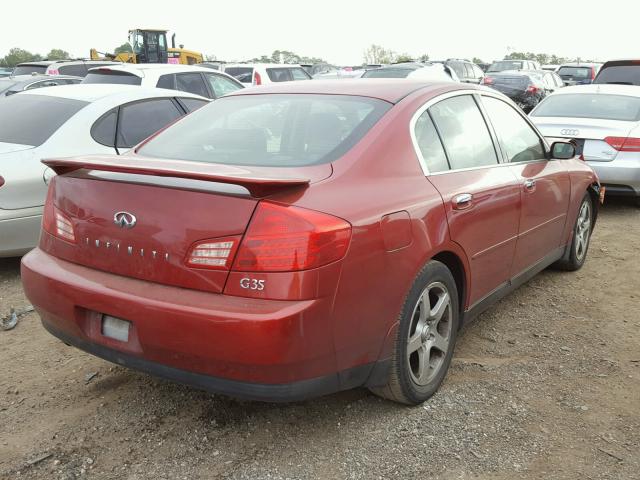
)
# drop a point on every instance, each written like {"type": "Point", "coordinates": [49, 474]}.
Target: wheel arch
{"type": "Point", "coordinates": [457, 268]}
{"type": "Point", "coordinates": [594, 193]}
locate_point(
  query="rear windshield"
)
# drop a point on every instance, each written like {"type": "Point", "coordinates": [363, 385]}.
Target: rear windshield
{"type": "Point", "coordinates": [242, 74]}
{"type": "Point", "coordinates": [505, 65]}
{"type": "Point", "coordinates": [590, 105]}
{"type": "Point", "coordinates": [622, 74]}
{"type": "Point", "coordinates": [112, 76]}
{"type": "Point", "coordinates": [269, 130]}
{"type": "Point", "coordinates": [34, 118]}
{"type": "Point", "coordinates": [29, 69]}
{"type": "Point", "coordinates": [575, 72]}
{"type": "Point", "coordinates": [388, 73]}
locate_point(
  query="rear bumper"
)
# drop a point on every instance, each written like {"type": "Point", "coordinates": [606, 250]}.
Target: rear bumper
{"type": "Point", "coordinates": [619, 176]}
{"type": "Point", "coordinates": [250, 348]}
{"type": "Point", "coordinates": [19, 231]}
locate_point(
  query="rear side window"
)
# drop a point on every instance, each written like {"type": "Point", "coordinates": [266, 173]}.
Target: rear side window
{"type": "Point", "coordinates": [104, 130]}
{"type": "Point", "coordinates": [243, 74]}
{"type": "Point", "coordinates": [270, 130]}
{"type": "Point", "coordinates": [192, 104]}
{"type": "Point", "coordinates": [221, 85]}
{"type": "Point", "coordinates": [464, 132]}
{"type": "Point", "coordinates": [142, 119]}
{"type": "Point", "coordinates": [73, 70]}
{"type": "Point", "coordinates": [29, 69]}
{"type": "Point", "coordinates": [299, 74]}
{"type": "Point", "coordinates": [112, 76]}
{"type": "Point", "coordinates": [34, 118]}
{"type": "Point", "coordinates": [620, 74]}
{"type": "Point", "coordinates": [192, 83]}
{"type": "Point", "coordinates": [519, 141]}
{"type": "Point", "coordinates": [429, 144]}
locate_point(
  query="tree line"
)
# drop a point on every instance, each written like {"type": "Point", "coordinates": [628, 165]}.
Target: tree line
{"type": "Point", "coordinates": [18, 55]}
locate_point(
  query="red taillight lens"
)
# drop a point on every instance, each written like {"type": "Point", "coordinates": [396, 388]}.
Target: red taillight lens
{"type": "Point", "coordinates": [532, 89]}
{"type": "Point", "coordinates": [487, 81]}
{"type": "Point", "coordinates": [1, 180]}
{"type": "Point", "coordinates": [57, 223]}
{"type": "Point", "coordinates": [257, 79]}
{"type": "Point", "coordinates": [593, 73]}
{"type": "Point", "coordinates": [624, 144]}
{"type": "Point", "coordinates": [283, 239]}
{"type": "Point", "coordinates": [215, 254]}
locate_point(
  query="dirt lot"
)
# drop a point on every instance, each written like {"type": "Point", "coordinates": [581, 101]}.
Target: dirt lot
{"type": "Point", "coordinates": [546, 384]}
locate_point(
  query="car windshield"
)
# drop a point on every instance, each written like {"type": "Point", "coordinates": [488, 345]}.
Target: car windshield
{"type": "Point", "coordinates": [505, 65]}
{"type": "Point", "coordinates": [388, 73]}
{"type": "Point", "coordinates": [269, 130]}
{"type": "Point", "coordinates": [29, 69]}
{"type": "Point", "coordinates": [575, 72]}
{"type": "Point", "coordinates": [590, 105]}
{"type": "Point", "coordinates": [112, 76]}
{"type": "Point", "coordinates": [620, 74]}
{"type": "Point", "coordinates": [34, 118]}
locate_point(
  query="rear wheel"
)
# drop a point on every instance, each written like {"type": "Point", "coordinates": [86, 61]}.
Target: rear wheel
{"type": "Point", "coordinates": [426, 337]}
{"type": "Point", "coordinates": [577, 253]}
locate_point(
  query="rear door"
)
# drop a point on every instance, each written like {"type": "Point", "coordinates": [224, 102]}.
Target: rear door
{"type": "Point", "coordinates": [544, 184]}
{"type": "Point", "coordinates": [481, 198]}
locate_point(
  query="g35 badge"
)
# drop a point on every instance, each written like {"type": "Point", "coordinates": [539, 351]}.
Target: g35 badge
{"type": "Point", "coordinates": [252, 284]}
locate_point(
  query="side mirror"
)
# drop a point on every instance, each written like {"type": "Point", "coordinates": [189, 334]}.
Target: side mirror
{"type": "Point", "coordinates": [563, 150]}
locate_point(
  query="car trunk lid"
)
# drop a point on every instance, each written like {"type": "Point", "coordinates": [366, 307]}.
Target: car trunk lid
{"type": "Point", "coordinates": [175, 205]}
{"type": "Point", "coordinates": [589, 134]}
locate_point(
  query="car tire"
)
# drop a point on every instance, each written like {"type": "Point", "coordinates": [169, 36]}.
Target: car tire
{"type": "Point", "coordinates": [576, 255]}
{"type": "Point", "coordinates": [426, 337]}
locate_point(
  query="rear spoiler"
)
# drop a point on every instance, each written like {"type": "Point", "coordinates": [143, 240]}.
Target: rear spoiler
{"type": "Point", "coordinates": [260, 181]}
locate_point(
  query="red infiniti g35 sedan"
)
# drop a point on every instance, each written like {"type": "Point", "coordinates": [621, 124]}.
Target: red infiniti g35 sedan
{"type": "Point", "coordinates": [294, 240]}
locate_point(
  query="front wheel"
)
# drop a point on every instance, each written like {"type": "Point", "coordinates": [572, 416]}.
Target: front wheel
{"type": "Point", "coordinates": [577, 253]}
{"type": "Point", "coordinates": [426, 337]}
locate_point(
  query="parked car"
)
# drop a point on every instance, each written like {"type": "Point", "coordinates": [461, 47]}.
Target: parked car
{"type": "Point", "coordinates": [313, 238]}
{"type": "Point", "coordinates": [466, 71]}
{"type": "Point", "coordinates": [74, 68]}
{"type": "Point", "coordinates": [63, 121]}
{"type": "Point", "coordinates": [11, 85]}
{"type": "Point", "coordinates": [186, 78]}
{"type": "Point", "coordinates": [622, 72]}
{"type": "Point", "coordinates": [578, 73]}
{"type": "Point", "coordinates": [263, 73]}
{"type": "Point", "coordinates": [526, 88]}
{"type": "Point", "coordinates": [604, 123]}
{"type": "Point", "coordinates": [5, 72]}
{"type": "Point", "coordinates": [510, 65]}
{"type": "Point", "coordinates": [422, 71]}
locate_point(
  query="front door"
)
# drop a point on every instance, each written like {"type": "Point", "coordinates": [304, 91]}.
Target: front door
{"type": "Point", "coordinates": [481, 197]}
{"type": "Point", "coordinates": [544, 185]}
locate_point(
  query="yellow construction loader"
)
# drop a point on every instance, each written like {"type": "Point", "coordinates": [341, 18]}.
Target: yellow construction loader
{"type": "Point", "coordinates": [150, 46]}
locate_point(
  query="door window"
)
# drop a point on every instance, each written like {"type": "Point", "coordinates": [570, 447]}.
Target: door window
{"type": "Point", "coordinates": [221, 85]}
{"type": "Point", "coordinates": [142, 119]}
{"type": "Point", "coordinates": [429, 144]}
{"type": "Point", "coordinates": [192, 83]}
{"type": "Point", "coordinates": [519, 141]}
{"type": "Point", "coordinates": [464, 132]}
{"type": "Point", "coordinates": [299, 74]}
{"type": "Point", "coordinates": [167, 81]}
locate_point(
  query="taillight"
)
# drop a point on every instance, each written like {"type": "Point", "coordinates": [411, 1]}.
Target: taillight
{"type": "Point", "coordinates": [1, 180]}
{"type": "Point", "coordinates": [487, 81]}
{"type": "Point", "coordinates": [532, 89]}
{"type": "Point", "coordinates": [55, 222]}
{"type": "Point", "coordinates": [593, 73]}
{"type": "Point", "coordinates": [624, 144]}
{"type": "Point", "coordinates": [257, 79]}
{"type": "Point", "coordinates": [283, 238]}
{"type": "Point", "coordinates": [215, 254]}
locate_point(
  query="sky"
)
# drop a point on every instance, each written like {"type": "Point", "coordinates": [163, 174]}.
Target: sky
{"type": "Point", "coordinates": [337, 30]}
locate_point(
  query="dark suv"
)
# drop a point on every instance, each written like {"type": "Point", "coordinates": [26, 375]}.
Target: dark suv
{"type": "Point", "coordinates": [621, 72]}
{"type": "Point", "coordinates": [467, 71]}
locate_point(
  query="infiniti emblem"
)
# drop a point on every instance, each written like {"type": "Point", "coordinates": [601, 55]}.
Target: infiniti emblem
{"type": "Point", "coordinates": [571, 132]}
{"type": "Point", "coordinates": [124, 219]}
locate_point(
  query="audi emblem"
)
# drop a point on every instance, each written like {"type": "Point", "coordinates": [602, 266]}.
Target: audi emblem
{"type": "Point", "coordinates": [570, 132]}
{"type": "Point", "coordinates": [124, 219]}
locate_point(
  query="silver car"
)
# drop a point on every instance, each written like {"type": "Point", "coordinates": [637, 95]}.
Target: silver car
{"type": "Point", "coordinates": [66, 121]}
{"type": "Point", "coordinates": [604, 123]}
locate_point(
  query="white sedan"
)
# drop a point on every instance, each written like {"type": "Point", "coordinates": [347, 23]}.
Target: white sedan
{"type": "Point", "coordinates": [604, 123]}
{"type": "Point", "coordinates": [66, 121]}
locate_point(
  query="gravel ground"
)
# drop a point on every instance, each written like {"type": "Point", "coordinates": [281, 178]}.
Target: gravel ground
{"type": "Point", "coordinates": [546, 384]}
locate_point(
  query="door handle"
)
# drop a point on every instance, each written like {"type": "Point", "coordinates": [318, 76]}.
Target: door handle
{"type": "Point", "coordinates": [530, 184]}
{"type": "Point", "coordinates": [462, 201]}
